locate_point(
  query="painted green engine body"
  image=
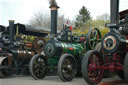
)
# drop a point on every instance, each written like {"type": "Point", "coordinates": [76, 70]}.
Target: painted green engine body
{"type": "Point", "coordinates": [65, 42]}
{"type": "Point", "coordinates": [76, 49]}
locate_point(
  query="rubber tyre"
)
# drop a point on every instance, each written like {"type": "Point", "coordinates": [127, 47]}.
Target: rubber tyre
{"type": "Point", "coordinates": [61, 61]}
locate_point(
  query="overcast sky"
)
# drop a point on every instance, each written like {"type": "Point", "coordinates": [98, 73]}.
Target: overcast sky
{"type": "Point", "coordinates": [22, 10]}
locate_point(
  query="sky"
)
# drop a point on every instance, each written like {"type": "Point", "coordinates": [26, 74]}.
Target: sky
{"type": "Point", "coordinates": [22, 10]}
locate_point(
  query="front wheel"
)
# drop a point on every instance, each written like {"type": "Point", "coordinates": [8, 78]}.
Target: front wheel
{"type": "Point", "coordinates": [91, 70]}
{"type": "Point", "coordinates": [37, 66]}
{"type": "Point", "coordinates": [6, 71]}
{"type": "Point", "coordinates": [126, 68]}
{"type": "Point", "coordinates": [67, 67]}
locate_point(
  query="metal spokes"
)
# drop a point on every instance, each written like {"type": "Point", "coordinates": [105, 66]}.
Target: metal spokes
{"type": "Point", "coordinates": [5, 72]}
{"type": "Point", "coordinates": [39, 67]}
{"type": "Point", "coordinates": [93, 37]}
{"type": "Point", "coordinates": [94, 72]}
{"type": "Point", "coordinates": [67, 67]}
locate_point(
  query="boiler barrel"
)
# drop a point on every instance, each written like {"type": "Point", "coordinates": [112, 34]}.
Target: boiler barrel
{"type": "Point", "coordinates": [57, 48]}
{"type": "Point", "coordinates": [24, 54]}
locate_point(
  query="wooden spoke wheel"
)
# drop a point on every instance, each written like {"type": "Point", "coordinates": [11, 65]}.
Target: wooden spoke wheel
{"type": "Point", "coordinates": [67, 67]}
{"type": "Point", "coordinates": [93, 37]}
{"type": "Point", "coordinates": [37, 66]}
{"type": "Point", "coordinates": [91, 70]}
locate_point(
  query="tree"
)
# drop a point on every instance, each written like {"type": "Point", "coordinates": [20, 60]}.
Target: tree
{"type": "Point", "coordinates": [104, 17]}
{"type": "Point", "coordinates": [83, 17]}
{"type": "Point", "coordinates": [40, 19]}
{"type": "Point", "coordinates": [61, 21]}
{"type": "Point", "coordinates": [43, 19]}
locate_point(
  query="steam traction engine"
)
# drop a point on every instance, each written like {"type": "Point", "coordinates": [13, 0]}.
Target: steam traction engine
{"type": "Point", "coordinates": [63, 52]}
{"type": "Point", "coordinates": [17, 46]}
{"type": "Point", "coordinates": [114, 56]}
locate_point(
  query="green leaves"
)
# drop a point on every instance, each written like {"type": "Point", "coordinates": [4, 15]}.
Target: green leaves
{"type": "Point", "coordinates": [83, 17]}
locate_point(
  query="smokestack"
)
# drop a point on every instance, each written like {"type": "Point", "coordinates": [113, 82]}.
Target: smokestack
{"type": "Point", "coordinates": [11, 31]}
{"type": "Point", "coordinates": [114, 11]}
{"type": "Point", "coordinates": [54, 8]}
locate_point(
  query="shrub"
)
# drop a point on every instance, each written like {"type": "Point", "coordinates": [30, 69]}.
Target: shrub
{"type": "Point", "coordinates": [78, 32]}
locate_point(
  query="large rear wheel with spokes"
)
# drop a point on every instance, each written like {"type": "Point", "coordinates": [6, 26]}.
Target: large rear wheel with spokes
{"type": "Point", "coordinates": [91, 70]}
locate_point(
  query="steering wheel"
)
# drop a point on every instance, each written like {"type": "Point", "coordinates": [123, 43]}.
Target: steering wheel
{"type": "Point", "coordinates": [93, 37]}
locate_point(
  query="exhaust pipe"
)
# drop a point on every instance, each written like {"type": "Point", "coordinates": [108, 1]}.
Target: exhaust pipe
{"type": "Point", "coordinates": [114, 11]}
{"type": "Point", "coordinates": [54, 10]}
{"type": "Point", "coordinates": [11, 31]}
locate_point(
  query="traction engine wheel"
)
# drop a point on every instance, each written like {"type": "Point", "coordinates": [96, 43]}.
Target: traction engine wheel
{"type": "Point", "coordinates": [5, 71]}
{"type": "Point", "coordinates": [107, 73]}
{"type": "Point", "coordinates": [126, 68]}
{"type": "Point", "coordinates": [98, 47]}
{"type": "Point", "coordinates": [91, 70]}
{"type": "Point", "coordinates": [120, 74]}
{"type": "Point", "coordinates": [93, 37]}
{"type": "Point", "coordinates": [37, 66]}
{"type": "Point", "coordinates": [67, 67]}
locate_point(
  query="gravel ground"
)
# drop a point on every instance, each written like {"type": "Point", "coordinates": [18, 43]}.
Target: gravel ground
{"type": "Point", "coordinates": [49, 80]}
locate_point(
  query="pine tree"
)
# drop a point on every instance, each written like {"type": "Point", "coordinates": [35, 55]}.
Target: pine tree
{"type": "Point", "coordinates": [83, 17]}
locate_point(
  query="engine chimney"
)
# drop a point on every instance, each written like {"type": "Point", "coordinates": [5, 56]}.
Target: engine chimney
{"type": "Point", "coordinates": [11, 31]}
{"type": "Point", "coordinates": [114, 11]}
{"type": "Point", "coordinates": [54, 9]}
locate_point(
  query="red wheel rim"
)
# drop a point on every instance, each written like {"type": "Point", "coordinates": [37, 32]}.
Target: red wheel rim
{"type": "Point", "coordinates": [95, 73]}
